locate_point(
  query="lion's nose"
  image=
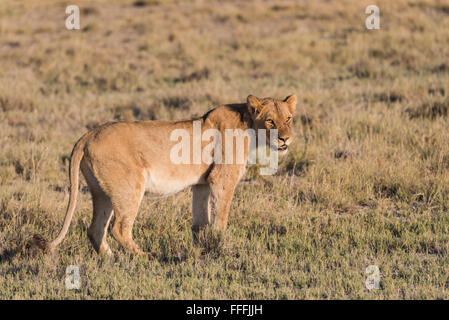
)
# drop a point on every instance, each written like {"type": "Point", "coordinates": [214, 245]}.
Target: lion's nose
{"type": "Point", "coordinates": [284, 140]}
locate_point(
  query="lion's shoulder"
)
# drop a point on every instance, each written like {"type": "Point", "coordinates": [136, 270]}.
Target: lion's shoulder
{"type": "Point", "coordinates": [227, 116]}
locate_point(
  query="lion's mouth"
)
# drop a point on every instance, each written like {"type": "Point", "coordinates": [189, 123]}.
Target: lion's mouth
{"type": "Point", "coordinates": [284, 147]}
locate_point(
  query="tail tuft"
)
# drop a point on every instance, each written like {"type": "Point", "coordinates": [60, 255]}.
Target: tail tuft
{"type": "Point", "coordinates": [39, 242]}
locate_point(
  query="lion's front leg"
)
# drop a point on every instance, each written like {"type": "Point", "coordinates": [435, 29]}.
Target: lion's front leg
{"type": "Point", "coordinates": [200, 208]}
{"type": "Point", "coordinates": [222, 181]}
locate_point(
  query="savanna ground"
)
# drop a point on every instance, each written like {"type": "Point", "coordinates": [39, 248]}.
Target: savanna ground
{"type": "Point", "coordinates": [366, 181]}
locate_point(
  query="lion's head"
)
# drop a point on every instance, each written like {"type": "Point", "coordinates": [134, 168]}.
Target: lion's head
{"type": "Point", "coordinates": [269, 113]}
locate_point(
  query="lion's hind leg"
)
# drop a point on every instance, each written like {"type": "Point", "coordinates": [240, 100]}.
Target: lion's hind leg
{"type": "Point", "coordinates": [102, 212]}
{"type": "Point", "coordinates": [125, 210]}
{"type": "Point", "coordinates": [97, 231]}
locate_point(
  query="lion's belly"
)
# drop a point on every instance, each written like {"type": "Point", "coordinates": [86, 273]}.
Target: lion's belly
{"type": "Point", "coordinates": [159, 185]}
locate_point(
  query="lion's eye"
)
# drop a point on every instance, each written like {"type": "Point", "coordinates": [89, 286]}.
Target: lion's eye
{"type": "Point", "coordinates": [270, 123]}
{"type": "Point", "coordinates": [289, 119]}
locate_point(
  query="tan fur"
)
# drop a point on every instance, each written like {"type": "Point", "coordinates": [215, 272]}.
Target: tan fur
{"type": "Point", "coordinates": [122, 160]}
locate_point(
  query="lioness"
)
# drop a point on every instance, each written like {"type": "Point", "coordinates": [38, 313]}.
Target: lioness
{"type": "Point", "coordinates": [122, 160]}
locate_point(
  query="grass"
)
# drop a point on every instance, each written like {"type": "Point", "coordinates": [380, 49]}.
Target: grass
{"type": "Point", "coordinates": [365, 182]}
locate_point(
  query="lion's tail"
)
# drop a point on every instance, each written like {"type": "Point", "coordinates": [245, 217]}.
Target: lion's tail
{"type": "Point", "coordinates": [75, 160]}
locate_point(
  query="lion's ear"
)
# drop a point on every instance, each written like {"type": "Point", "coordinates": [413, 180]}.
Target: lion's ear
{"type": "Point", "coordinates": [291, 102]}
{"type": "Point", "coordinates": [254, 104]}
